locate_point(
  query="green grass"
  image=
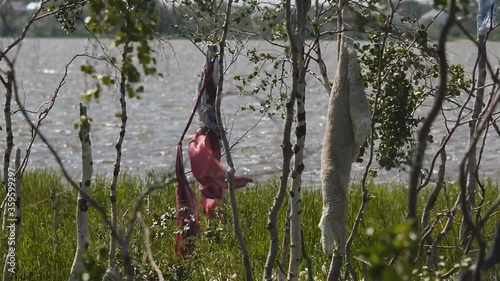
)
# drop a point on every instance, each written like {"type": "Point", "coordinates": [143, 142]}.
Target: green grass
{"type": "Point", "coordinates": [217, 255]}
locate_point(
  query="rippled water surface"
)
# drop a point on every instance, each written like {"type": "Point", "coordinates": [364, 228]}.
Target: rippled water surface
{"type": "Point", "coordinates": [156, 121]}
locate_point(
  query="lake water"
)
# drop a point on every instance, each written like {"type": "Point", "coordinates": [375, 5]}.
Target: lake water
{"type": "Point", "coordinates": [156, 121]}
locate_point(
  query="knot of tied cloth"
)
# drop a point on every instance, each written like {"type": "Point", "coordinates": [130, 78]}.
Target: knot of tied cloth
{"type": "Point", "coordinates": [205, 156]}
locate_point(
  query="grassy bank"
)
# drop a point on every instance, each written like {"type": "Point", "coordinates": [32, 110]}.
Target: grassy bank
{"type": "Point", "coordinates": [41, 257]}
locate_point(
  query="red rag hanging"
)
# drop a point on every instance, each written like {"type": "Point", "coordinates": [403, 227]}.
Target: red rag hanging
{"type": "Point", "coordinates": [186, 205]}
{"type": "Point", "coordinates": [205, 155]}
{"type": "Point", "coordinates": [187, 210]}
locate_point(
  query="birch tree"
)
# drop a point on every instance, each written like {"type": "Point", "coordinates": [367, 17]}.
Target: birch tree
{"type": "Point", "coordinates": [132, 26]}
{"type": "Point", "coordinates": [295, 25]}
{"type": "Point", "coordinates": [82, 216]}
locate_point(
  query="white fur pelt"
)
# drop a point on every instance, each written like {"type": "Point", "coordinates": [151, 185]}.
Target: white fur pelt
{"type": "Point", "coordinates": [348, 125]}
{"type": "Point", "coordinates": [359, 109]}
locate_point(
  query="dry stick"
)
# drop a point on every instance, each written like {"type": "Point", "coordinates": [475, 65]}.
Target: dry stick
{"type": "Point", "coordinates": [296, 35]}
{"type": "Point", "coordinates": [229, 159]}
{"type": "Point", "coordinates": [285, 247]}
{"type": "Point", "coordinates": [286, 148]}
{"type": "Point", "coordinates": [55, 219]}
{"type": "Point", "coordinates": [10, 264]}
{"type": "Point", "coordinates": [147, 245]}
{"type": "Point", "coordinates": [307, 258]}
{"type": "Point", "coordinates": [471, 163]}
{"type": "Point", "coordinates": [9, 139]}
{"type": "Point", "coordinates": [423, 133]}
{"type": "Point", "coordinates": [82, 215]}
{"type": "Point", "coordinates": [116, 170]}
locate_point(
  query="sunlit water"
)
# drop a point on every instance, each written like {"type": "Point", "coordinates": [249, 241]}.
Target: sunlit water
{"type": "Point", "coordinates": [155, 122]}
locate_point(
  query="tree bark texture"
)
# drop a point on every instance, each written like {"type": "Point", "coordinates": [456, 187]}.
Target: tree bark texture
{"type": "Point", "coordinates": [116, 170]}
{"type": "Point", "coordinates": [82, 221]}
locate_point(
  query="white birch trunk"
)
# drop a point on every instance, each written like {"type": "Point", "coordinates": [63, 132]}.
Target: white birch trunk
{"type": "Point", "coordinates": [10, 265]}
{"type": "Point", "coordinates": [295, 29]}
{"type": "Point", "coordinates": [112, 272]}
{"type": "Point", "coordinates": [82, 224]}
{"type": "Point", "coordinates": [295, 196]}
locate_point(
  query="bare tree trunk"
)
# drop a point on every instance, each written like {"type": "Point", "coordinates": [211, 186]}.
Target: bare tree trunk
{"type": "Point", "coordinates": [272, 226]}
{"type": "Point", "coordinates": [9, 141]}
{"type": "Point", "coordinates": [472, 168]}
{"type": "Point", "coordinates": [286, 246]}
{"type": "Point", "coordinates": [335, 266]}
{"type": "Point", "coordinates": [10, 265]}
{"type": "Point", "coordinates": [82, 221]}
{"type": "Point", "coordinates": [112, 272]}
{"type": "Point", "coordinates": [225, 143]}
{"type": "Point", "coordinates": [296, 29]}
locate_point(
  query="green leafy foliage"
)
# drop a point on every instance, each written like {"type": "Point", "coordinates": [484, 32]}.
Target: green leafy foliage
{"type": "Point", "coordinates": [132, 25]}
{"type": "Point", "coordinates": [399, 73]}
{"type": "Point", "coordinates": [389, 258]}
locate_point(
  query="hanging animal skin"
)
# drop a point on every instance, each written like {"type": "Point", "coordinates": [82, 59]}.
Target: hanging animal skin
{"type": "Point", "coordinates": [205, 154]}
{"type": "Point", "coordinates": [348, 125]}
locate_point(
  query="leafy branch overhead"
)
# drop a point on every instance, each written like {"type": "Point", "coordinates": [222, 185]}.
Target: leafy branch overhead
{"type": "Point", "coordinates": [131, 25]}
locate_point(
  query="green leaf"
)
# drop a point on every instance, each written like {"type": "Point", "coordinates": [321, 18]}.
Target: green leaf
{"type": "Point", "coordinates": [107, 81]}
{"type": "Point", "coordinates": [87, 69]}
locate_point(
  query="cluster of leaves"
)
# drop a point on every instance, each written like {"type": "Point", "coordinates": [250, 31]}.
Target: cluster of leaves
{"type": "Point", "coordinates": [132, 25]}
{"type": "Point", "coordinates": [67, 13]}
{"type": "Point", "coordinates": [400, 75]}
{"type": "Point", "coordinates": [390, 257]}
{"type": "Point", "coordinates": [264, 81]}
